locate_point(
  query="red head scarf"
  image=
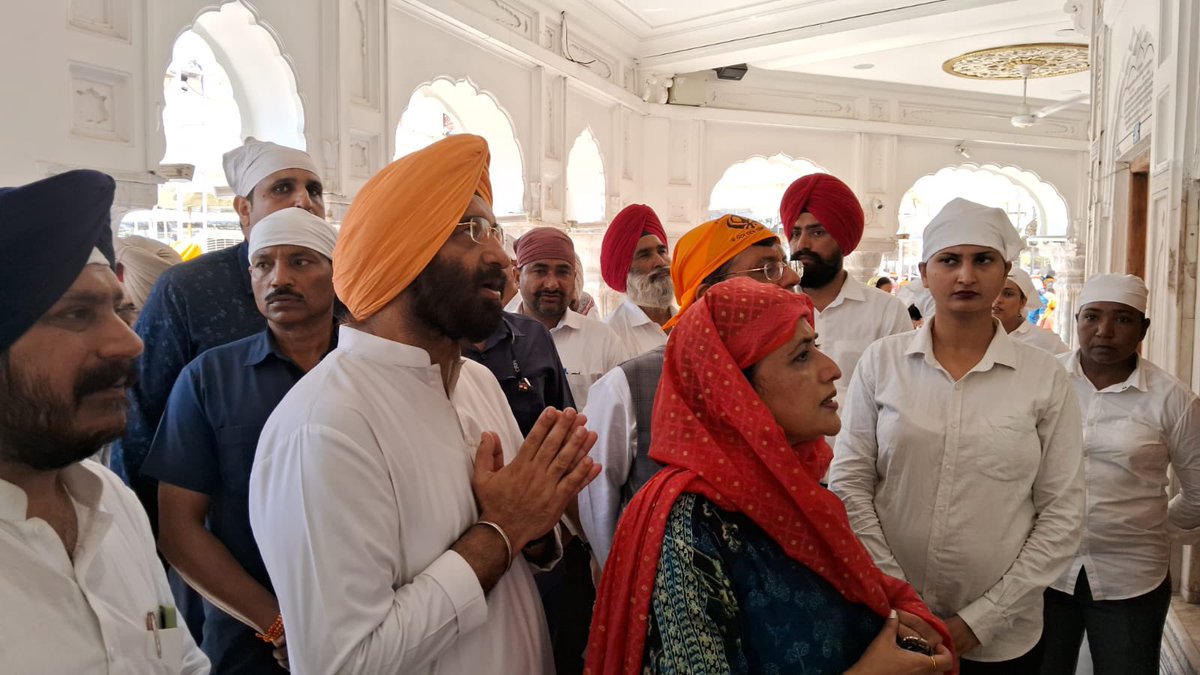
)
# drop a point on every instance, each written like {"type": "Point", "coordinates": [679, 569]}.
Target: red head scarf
{"type": "Point", "coordinates": [833, 204]}
{"type": "Point", "coordinates": [718, 439]}
{"type": "Point", "coordinates": [544, 243]}
{"type": "Point", "coordinates": [620, 240]}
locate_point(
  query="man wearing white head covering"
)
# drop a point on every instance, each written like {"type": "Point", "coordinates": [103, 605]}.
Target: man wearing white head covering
{"type": "Point", "coordinates": [1010, 307]}
{"type": "Point", "coordinates": [953, 481]}
{"type": "Point", "coordinates": [208, 301]}
{"type": "Point", "coordinates": [205, 446]}
{"type": "Point", "coordinates": [1138, 421]}
{"type": "Point", "coordinates": [140, 262]}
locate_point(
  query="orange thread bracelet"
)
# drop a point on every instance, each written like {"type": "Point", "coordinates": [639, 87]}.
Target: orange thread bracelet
{"type": "Point", "coordinates": [274, 632]}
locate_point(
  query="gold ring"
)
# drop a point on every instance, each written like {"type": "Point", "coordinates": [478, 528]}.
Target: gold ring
{"type": "Point", "coordinates": [933, 663]}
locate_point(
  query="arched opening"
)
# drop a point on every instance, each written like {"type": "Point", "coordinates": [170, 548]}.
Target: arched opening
{"type": "Point", "coordinates": [227, 80]}
{"type": "Point", "coordinates": [585, 180]}
{"type": "Point", "coordinates": [754, 187]}
{"type": "Point", "coordinates": [442, 108]}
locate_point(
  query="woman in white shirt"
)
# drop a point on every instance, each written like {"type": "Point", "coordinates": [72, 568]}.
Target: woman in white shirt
{"type": "Point", "coordinates": [972, 494]}
{"type": "Point", "coordinates": [1017, 297]}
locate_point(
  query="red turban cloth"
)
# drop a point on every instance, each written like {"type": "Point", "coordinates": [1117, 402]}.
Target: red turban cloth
{"type": "Point", "coordinates": [544, 243]}
{"type": "Point", "coordinates": [716, 438]}
{"type": "Point", "coordinates": [620, 240]}
{"type": "Point", "coordinates": [831, 202]}
{"type": "Point", "coordinates": [401, 218]}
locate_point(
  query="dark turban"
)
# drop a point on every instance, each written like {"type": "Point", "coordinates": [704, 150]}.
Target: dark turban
{"type": "Point", "coordinates": [545, 243]}
{"type": "Point", "coordinates": [48, 230]}
{"type": "Point", "coordinates": [831, 202]}
{"type": "Point", "coordinates": [620, 240]}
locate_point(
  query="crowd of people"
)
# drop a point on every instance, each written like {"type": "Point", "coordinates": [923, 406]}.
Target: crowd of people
{"type": "Point", "coordinates": [409, 446]}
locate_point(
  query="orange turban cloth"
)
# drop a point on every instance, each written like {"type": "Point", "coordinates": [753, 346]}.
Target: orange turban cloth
{"type": "Point", "coordinates": [401, 218]}
{"type": "Point", "coordinates": [704, 249]}
{"type": "Point", "coordinates": [620, 240]}
{"type": "Point", "coordinates": [831, 202]}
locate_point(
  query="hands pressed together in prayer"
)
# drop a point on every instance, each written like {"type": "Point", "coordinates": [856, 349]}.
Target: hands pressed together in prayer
{"type": "Point", "coordinates": [527, 497]}
{"type": "Point", "coordinates": [885, 657]}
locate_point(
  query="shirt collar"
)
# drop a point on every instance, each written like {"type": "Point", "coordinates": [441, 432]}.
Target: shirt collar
{"type": "Point", "coordinates": [1000, 351]}
{"type": "Point", "coordinates": [573, 320]}
{"type": "Point", "coordinates": [84, 486]}
{"type": "Point", "coordinates": [1136, 379]}
{"type": "Point", "coordinates": [390, 352]}
{"type": "Point", "coordinates": [264, 345]}
{"type": "Point", "coordinates": [851, 290]}
{"type": "Point", "coordinates": [506, 328]}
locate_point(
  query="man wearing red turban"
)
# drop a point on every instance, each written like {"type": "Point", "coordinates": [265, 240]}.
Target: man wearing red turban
{"type": "Point", "coordinates": [634, 260]}
{"type": "Point", "coordinates": [823, 223]}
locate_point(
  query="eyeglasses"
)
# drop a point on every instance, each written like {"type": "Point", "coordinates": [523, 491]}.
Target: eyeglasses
{"type": "Point", "coordinates": [772, 271]}
{"type": "Point", "coordinates": [482, 231]}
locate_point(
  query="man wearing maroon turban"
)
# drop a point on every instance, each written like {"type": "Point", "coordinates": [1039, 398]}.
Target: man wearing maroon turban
{"type": "Point", "coordinates": [634, 260]}
{"type": "Point", "coordinates": [823, 223]}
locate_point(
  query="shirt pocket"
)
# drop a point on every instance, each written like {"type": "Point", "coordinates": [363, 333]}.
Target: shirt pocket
{"type": "Point", "coordinates": [1010, 451]}
{"type": "Point", "coordinates": [580, 383]}
{"type": "Point", "coordinates": [1133, 445]}
{"type": "Point", "coordinates": [235, 457]}
{"type": "Point", "coordinates": [164, 649]}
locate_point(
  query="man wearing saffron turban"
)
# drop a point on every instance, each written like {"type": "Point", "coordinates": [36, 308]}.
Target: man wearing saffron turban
{"type": "Point", "coordinates": [396, 506]}
{"type": "Point", "coordinates": [622, 402]}
{"type": "Point", "coordinates": [634, 260]}
{"type": "Point", "coordinates": [823, 223]}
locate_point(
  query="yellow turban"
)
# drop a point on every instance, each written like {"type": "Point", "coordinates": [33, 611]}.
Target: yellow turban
{"type": "Point", "coordinates": [704, 249]}
{"type": "Point", "coordinates": [401, 218]}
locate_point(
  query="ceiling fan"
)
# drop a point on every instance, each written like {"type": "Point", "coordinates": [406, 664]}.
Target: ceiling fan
{"type": "Point", "coordinates": [1025, 117]}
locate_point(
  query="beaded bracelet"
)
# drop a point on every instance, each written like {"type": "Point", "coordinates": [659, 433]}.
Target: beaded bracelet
{"type": "Point", "coordinates": [274, 632]}
{"type": "Point", "coordinates": [507, 543]}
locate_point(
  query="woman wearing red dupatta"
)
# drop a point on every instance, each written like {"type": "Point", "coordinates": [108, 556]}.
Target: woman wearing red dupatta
{"type": "Point", "coordinates": [734, 558]}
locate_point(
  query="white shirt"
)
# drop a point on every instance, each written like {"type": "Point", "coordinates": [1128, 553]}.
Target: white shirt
{"type": "Point", "coordinates": [88, 615]}
{"type": "Point", "coordinates": [637, 332]}
{"type": "Point", "coordinates": [1132, 432]}
{"type": "Point", "coordinates": [360, 485]}
{"type": "Point", "coordinates": [588, 349]}
{"type": "Point", "coordinates": [611, 415]}
{"type": "Point", "coordinates": [1045, 340]}
{"type": "Point", "coordinates": [857, 317]}
{"type": "Point", "coordinates": [970, 493]}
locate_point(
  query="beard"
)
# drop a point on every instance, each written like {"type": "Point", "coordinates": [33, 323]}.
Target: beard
{"type": "Point", "coordinates": [821, 271]}
{"type": "Point", "coordinates": [446, 298]}
{"type": "Point", "coordinates": [650, 289]}
{"type": "Point", "coordinates": [38, 428]}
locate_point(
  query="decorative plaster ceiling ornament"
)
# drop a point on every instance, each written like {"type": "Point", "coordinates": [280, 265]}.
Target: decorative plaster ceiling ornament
{"type": "Point", "coordinates": [1049, 59]}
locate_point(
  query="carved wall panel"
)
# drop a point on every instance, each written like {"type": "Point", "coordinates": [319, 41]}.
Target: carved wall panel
{"type": "Point", "coordinates": [513, 15]}
{"type": "Point", "coordinates": [111, 18]}
{"type": "Point", "coordinates": [554, 118]}
{"type": "Point", "coordinates": [101, 103]}
{"type": "Point", "coordinates": [775, 100]}
{"type": "Point", "coordinates": [361, 52]}
{"type": "Point", "coordinates": [1134, 118]}
{"type": "Point", "coordinates": [679, 153]}
{"type": "Point", "coordinates": [365, 151]}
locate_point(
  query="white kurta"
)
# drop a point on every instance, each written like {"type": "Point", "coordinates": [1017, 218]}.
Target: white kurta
{"type": "Point", "coordinates": [1132, 432]}
{"type": "Point", "coordinates": [637, 332]}
{"type": "Point", "coordinates": [588, 349]}
{"type": "Point", "coordinates": [611, 415]}
{"type": "Point", "coordinates": [971, 493]}
{"type": "Point", "coordinates": [361, 483]}
{"type": "Point", "coordinates": [86, 616]}
{"type": "Point", "coordinates": [1045, 340]}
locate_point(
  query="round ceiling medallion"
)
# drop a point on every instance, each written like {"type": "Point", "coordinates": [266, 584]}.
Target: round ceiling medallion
{"type": "Point", "coordinates": [1049, 59]}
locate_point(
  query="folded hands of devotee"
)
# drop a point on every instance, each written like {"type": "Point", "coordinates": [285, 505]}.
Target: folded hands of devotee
{"type": "Point", "coordinates": [885, 657]}
{"type": "Point", "coordinates": [964, 638]}
{"type": "Point", "coordinates": [912, 625]}
{"type": "Point", "coordinates": [527, 497]}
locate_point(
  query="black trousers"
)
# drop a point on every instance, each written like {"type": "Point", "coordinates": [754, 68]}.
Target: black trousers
{"type": "Point", "coordinates": [1026, 664]}
{"type": "Point", "coordinates": [1124, 636]}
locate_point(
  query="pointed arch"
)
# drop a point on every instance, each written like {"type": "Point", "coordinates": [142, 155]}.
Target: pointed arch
{"type": "Point", "coordinates": [586, 191]}
{"type": "Point", "coordinates": [754, 187]}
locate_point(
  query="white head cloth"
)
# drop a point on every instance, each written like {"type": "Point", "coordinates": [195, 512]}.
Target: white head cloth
{"type": "Point", "coordinates": [293, 227]}
{"type": "Point", "coordinates": [965, 223]}
{"type": "Point", "coordinates": [143, 261]}
{"type": "Point", "coordinates": [1021, 278]}
{"type": "Point", "coordinates": [245, 166]}
{"type": "Point", "coordinates": [1123, 288]}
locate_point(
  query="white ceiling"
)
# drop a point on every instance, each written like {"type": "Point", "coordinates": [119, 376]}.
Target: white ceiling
{"type": "Point", "coordinates": [905, 41]}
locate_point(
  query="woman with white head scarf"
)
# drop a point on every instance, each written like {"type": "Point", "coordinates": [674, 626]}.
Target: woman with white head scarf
{"type": "Point", "coordinates": [1016, 299]}
{"type": "Point", "coordinates": [969, 492]}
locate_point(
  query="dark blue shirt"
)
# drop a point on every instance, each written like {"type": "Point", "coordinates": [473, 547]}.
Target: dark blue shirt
{"type": "Point", "coordinates": [201, 304]}
{"type": "Point", "coordinates": [206, 444]}
{"type": "Point", "coordinates": [522, 356]}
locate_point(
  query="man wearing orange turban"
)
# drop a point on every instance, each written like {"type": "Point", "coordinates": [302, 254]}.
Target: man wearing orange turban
{"type": "Point", "coordinates": [388, 550]}
{"type": "Point", "coordinates": [634, 260]}
{"type": "Point", "coordinates": [620, 405]}
{"type": "Point", "coordinates": [823, 223]}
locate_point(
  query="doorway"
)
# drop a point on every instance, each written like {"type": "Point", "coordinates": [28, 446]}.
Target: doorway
{"type": "Point", "coordinates": [1138, 214]}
